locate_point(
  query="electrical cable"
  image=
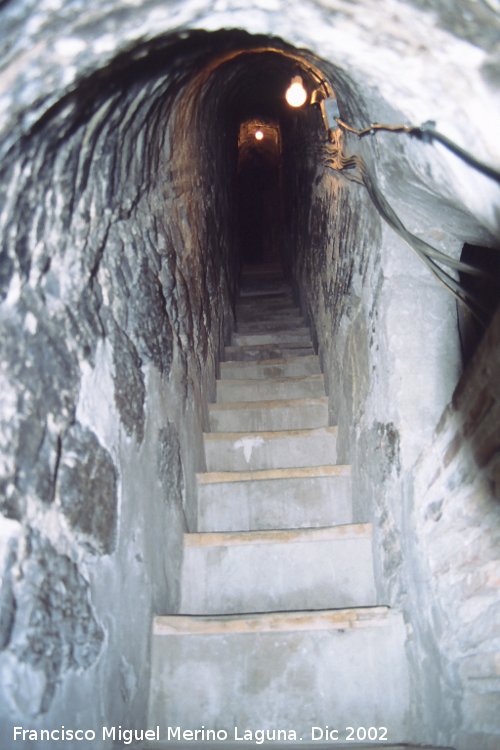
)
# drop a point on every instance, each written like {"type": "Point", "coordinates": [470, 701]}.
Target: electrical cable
{"type": "Point", "coordinates": [355, 169]}
{"type": "Point", "coordinates": [427, 133]}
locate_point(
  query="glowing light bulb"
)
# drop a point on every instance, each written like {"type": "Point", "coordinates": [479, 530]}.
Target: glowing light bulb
{"type": "Point", "coordinates": [259, 135]}
{"type": "Point", "coordinates": [296, 94]}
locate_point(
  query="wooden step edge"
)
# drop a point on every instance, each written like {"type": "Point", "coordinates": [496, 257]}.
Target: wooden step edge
{"type": "Point", "coordinates": [296, 472]}
{"type": "Point", "coordinates": [269, 435]}
{"type": "Point", "coordinates": [302, 331]}
{"type": "Point", "coordinates": [271, 267]}
{"type": "Point", "coordinates": [288, 345]}
{"type": "Point", "coordinates": [270, 317]}
{"type": "Point", "coordinates": [271, 404]}
{"type": "Point", "coordinates": [275, 622]}
{"type": "Point", "coordinates": [254, 328]}
{"type": "Point", "coordinates": [285, 379]}
{"type": "Point", "coordinates": [277, 339]}
{"type": "Point", "coordinates": [265, 310]}
{"type": "Point", "coordinates": [250, 279]}
{"type": "Point", "coordinates": [279, 293]}
{"type": "Point", "coordinates": [267, 362]}
{"type": "Point", "coordinates": [258, 277]}
{"type": "Point", "coordinates": [278, 536]}
{"type": "Point", "coordinates": [276, 318]}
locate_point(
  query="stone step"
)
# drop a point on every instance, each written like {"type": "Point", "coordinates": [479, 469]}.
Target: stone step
{"type": "Point", "coordinates": [262, 270]}
{"type": "Point", "coordinates": [255, 416]}
{"type": "Point", "coordinates": [271, 368]}
{"type": "Point", "coordinates": [236, 451]}
{"type": "Point", "coordinates": [300, 336]}
{"type": "Point", "coordinates": [268, 301]}
{"type": "Point", "coordinates": [266, 351]}
{"type": "Point", "coordinates": [272, 288]}
{"type": "Point", "coordinates": [259, 571]}
{"type": "Point", "coordinates": [296, 386]}
{"type": "Point", "coordinates": [270, 324]}
{"type": "Point", "coordinates": [264, 311]}
{"type": "Point", "coordinates": [274, 498]}
{"type": "Point", "coordinates": [264, 283]}
{"type": "Point", "coordinates": [293, 671]}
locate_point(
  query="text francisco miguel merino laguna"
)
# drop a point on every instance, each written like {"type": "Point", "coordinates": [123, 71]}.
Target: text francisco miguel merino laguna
{"type": "Point", "coordinates": [128, 736]}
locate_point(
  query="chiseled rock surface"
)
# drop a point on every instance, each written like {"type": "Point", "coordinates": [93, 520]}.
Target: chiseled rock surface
{"type": "Point", "coordinates": [112, 315]}
{"type": "Point", "coordinates": [86, 489]}
{"type": "Point", "coordinates": [49, 624]}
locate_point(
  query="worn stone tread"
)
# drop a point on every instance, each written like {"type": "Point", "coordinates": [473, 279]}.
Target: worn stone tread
{"type": "Point", "coordinates": [278, 291]}
{"type": "Point", "coordinates": [270, 449]}
{"type": "Point", "coordinates": [270, 323]}
{"type": "Point", "coordinates": [251, 315]}
{"type": "Point", "coordinates": [272, 338]}
{"type": "Point", "coordinates": [305, 362]}
{"type": "Point", "coordinates": [229, 390]}
{"type": "Point", "coordinates": [314, 378]}
{"type": "Point", "coordinates": [252, 353]}
{"type": "Point", "coordinates": [268, 434]}
{"type": "Point", "coordinates": [281, 336]}
{"type": "Point", "coordinates": [279, 403]}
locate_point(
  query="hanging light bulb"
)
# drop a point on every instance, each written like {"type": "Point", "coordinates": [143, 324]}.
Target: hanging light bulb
{"type": "Point", "coordinates": [296, 94]}
{"type": "Point", "coordinates": [259, 135]}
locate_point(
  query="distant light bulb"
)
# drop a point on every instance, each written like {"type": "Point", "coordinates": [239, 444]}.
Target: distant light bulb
{"type": "Point", "coordinates": [296, 94]}
{"type": "Point", "coordinates": [259, 135]}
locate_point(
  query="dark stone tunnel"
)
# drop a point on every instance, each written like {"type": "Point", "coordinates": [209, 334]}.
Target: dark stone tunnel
{"type": "Point", "coordinates": [133, 192]}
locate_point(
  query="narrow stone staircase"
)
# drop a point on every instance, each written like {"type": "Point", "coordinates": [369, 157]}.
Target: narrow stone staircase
{"type": "Point", "coordinates": [280, 628]}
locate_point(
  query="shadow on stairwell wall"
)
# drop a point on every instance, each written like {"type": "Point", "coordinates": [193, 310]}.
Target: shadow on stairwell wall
{"type": "Point", "coordinates": [486, 288]}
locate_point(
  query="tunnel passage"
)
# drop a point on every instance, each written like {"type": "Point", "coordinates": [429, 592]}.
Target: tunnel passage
{"type": "Point", "coordinates": [121, 244]}
{"type": "Point", "coordinates": [123, 234]}
{"type": "Point", "coordinates": [262, 140]}
{"type": "Point", "coordinates": [259, 189]}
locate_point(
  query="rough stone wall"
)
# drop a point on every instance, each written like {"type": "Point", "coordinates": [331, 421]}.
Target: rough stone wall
{"type": "Point", "coordinates": [115, 303]}
{"type": "Point", "coordinates": [388, 338]}
{"type": "Point", "coordinates": [452, 521]}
